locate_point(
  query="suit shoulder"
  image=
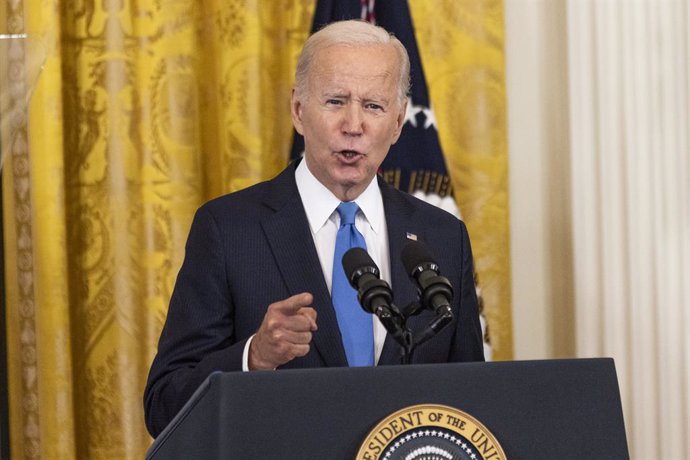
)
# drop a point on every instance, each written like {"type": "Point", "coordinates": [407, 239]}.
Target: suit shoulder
{"type": "Point", "coordinates": [246, 198]}
{"type": "Point", "coordinates": [437, 212]}
{"type": "Point", "coordinates": [272, 193]}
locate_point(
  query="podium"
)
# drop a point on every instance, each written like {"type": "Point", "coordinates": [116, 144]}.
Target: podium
{"type": "Point", "coordinates": [552, 409]}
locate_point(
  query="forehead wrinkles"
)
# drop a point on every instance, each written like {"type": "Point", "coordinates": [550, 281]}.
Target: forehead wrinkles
{"type": "Point", "coordinates": [364, 67]}
{"type": "Point", "coordinates": [353, 84]}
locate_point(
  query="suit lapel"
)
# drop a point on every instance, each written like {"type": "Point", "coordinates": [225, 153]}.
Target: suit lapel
{"type": "Point", "coordinates": [400, 222]}
{"type": "Point", "coordinates": [288, 234]}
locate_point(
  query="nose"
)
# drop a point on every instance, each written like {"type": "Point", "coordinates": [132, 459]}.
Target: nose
{"type": "Point", "coordinates": [353, 121]}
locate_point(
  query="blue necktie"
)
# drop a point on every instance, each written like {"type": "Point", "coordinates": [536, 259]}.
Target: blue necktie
{"type": "Point", "coordinates": [355, 324]}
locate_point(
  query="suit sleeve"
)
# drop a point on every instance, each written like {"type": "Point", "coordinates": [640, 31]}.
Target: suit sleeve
{"type": "Point", "coordinates": [468, 344]}
{"type": "Point", "coordinates": [198, 335]}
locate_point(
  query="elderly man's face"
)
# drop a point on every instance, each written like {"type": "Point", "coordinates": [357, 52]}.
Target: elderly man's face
{"type": "Point", "coordinates": [350, 115]}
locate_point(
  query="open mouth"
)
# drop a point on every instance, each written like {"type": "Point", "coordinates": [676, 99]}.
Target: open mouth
{"type": "Point", "coordinates": [349, 154]}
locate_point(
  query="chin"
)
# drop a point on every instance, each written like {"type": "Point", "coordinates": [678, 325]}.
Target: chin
{"type": "Point", "coordinates": [350, 180]}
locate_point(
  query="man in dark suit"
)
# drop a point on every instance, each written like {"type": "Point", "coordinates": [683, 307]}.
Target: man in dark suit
{"type": "Point", "coordinates": [254, 291]}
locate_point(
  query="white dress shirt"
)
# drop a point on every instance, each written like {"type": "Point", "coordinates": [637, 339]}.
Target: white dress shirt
{"type": "Point", "coordinates": [324, 221]}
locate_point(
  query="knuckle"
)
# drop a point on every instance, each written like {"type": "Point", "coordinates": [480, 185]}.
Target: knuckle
{"type": "Point", "coordinates": [272, 323]}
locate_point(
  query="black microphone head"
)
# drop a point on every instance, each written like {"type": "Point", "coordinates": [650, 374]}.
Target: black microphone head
{"type": "Point", "coordinates": [357, 261]}
{"type": "Point", "coordinates": [416, 256]}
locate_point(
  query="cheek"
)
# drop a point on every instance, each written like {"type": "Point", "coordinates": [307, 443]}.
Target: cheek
{"type": "Point", "coordinates": [320, 129]}
{"type": "Point", "coordinates": [388, 136]}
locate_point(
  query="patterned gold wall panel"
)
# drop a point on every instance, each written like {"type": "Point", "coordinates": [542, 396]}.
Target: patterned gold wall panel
{"type": "Point", "coordinates": [461, 45]}
{"type": "Point", "coordinates": [144, 110]}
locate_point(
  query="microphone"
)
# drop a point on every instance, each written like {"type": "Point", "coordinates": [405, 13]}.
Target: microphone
{"type": "Point", "coordinates": [374, 294]}
{"type": "Point", "coordinates": [435, 291]}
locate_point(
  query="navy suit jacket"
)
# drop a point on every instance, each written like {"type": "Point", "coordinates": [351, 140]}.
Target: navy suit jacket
{"type": "Point", "coordinates": [251, 248]}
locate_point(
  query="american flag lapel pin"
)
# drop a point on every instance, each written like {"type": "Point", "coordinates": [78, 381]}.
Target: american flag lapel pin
{"type": "Point", "coordinates": [411, 236]}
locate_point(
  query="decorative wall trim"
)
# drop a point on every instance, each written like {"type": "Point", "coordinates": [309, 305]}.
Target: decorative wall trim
{"type": "Point", "coordinates": [18, 164]}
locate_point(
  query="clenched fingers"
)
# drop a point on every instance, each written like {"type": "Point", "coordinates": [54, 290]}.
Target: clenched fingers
{"type": "Point", "coordinates": [285, 332]}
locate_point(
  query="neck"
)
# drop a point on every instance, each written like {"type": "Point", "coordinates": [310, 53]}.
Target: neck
{"type": "Point", "coordinates": [347, 193]}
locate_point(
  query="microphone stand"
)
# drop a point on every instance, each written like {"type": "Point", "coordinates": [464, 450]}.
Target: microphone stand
{"type": "Point", "coordinates": [396, 325]}
{"type": "Point", "coordinates": [397, 328]}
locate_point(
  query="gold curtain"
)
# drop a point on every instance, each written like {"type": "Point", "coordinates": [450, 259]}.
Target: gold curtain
{"type": "Point", "coordinates": [119, 118]}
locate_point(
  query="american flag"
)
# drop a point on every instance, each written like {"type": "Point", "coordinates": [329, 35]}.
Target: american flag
{"type": "Point", "coordinates": [415, 163]}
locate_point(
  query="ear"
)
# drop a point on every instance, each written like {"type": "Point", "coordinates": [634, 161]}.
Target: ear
{"type": "Point", "coordinates": [399, 122]}
{"type": "Point", "coordinates": [296, 112]}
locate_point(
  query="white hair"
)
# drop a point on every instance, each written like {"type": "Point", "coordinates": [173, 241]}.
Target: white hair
{"type": "Point", "coordinates": [355, 33]}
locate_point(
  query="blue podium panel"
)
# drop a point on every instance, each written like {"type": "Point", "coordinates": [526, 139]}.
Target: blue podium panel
{"type": "Point", "coordinates": [554, 409]}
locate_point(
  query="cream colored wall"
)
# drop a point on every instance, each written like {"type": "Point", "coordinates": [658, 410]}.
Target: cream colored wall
{"type": "Point", "coordinates": [541, 255]}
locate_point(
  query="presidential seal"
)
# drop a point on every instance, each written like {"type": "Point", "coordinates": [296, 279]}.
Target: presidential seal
{"type": "Point", "coordinates": [430, 432]}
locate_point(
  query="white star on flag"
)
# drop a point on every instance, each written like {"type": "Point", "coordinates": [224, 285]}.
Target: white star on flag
{"type": "Point", "coordinates": [412, 111]}
{"type": "Point", "coordinates": [430, 118]}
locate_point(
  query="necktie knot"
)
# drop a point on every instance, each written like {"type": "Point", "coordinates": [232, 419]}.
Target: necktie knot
{"type": "Point", "coordinates": [348, 211]}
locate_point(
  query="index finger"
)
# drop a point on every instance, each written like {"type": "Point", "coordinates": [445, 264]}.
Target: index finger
{"type": "Point", "coordinates": [292, 305]}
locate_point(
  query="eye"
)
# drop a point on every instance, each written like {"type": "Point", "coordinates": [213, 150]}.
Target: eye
{"type": "Point", "coordinates": [373, 106]}
{"type": "Point", "coordinates": [334, 102]}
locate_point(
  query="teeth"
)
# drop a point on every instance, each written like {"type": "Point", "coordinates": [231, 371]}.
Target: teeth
{"type": "Point", "coordinates": [349, 154]}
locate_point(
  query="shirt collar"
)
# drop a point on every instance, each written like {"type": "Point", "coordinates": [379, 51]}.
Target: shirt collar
{"type": "Point", "coordinates": [320, 203]}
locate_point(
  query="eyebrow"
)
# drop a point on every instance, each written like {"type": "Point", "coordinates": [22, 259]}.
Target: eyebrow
{"type": "Point", "coordinates": [345, 95]}
{"type": "Point", "coordinates": [336, 93]}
